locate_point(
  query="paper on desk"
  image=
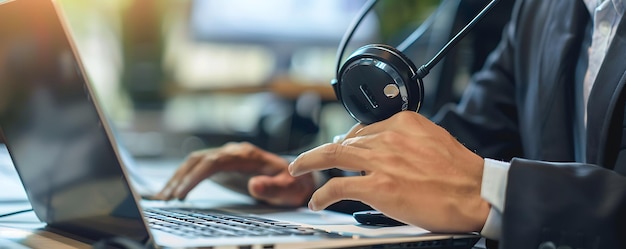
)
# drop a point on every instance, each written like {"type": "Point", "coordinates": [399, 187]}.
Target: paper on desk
{"type": "Point", "coordinates": [373, 231]}
{"type": "Point", "coordinates": [342, 223]}
{"type": "Point", "coordinates": [11, 188]}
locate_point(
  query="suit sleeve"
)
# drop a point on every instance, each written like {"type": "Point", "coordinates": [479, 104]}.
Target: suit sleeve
{"type": "Point", "coordinates": [485, 120]}
{"type": "Point", "coordinates": [548, 205]}
{"type": "Point", "coordinates": [575, 205]}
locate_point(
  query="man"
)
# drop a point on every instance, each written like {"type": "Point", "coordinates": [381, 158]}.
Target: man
{"type": "Point", "coordinates": [551, 93]}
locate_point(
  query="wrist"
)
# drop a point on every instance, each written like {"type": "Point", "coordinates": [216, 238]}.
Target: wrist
{"type": "Point", "coordinates": [475, 209]}
{"type": "Point", "coordinates": [474, 213]}
{"type": "Point", "coordinates": [481, 216]}
{"type": "Point", "coordinates": [482, 207]}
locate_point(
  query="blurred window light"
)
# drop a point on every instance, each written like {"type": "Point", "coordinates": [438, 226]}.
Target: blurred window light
{"type": "Point", "coordinates": [220, 65]}
{"type": "Point", "coordinates": [282, 21]}
{"type": "Point", "coordinates": [221, 44]}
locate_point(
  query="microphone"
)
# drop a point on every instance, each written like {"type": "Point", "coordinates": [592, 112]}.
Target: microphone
{"type": "Point", "coordinates": [378, 80]}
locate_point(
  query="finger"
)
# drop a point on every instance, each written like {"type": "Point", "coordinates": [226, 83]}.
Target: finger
{"type": "Point", "coordinates": [267, 164]}
{"type": "Point", "coordinates": [279, 190]}
{"type": "Point", "coordinates": [266, 188]}
{"type": "Point", "coordinates": [340, 188]}
{"type": "Point", "coordinates": [330, 156]}
{"type": "Point", "coordinates": [399, 120]}
{"type": "Point", "coordinates": [350, 133]}
{"type": "Point", "coordinates": [189, 164]}
{"type": "Point", "coordinates": [273, 165]}
{"type": "Point", "coordinates": [201, 171]}
{"type": "Point", "coordinates": [363, 142]}
{"type": "Point", "coordinates": [245, 157]}
{"type": "Point", "coordinates": [172, 184]}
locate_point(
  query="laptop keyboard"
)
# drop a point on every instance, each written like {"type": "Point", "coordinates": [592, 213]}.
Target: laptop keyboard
{"type": "Point", "coordinates": [196, 223]}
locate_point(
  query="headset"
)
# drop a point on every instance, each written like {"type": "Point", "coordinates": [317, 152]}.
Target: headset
{"type": "Point", "coordinates": [377, 80]}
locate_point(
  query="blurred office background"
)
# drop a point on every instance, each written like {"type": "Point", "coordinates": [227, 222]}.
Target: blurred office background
{"type": "Point", "coordinates": [181, 75]}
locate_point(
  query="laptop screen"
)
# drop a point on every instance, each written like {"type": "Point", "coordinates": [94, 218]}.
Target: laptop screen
{"type": "Point", "coordinates": [55, 134]}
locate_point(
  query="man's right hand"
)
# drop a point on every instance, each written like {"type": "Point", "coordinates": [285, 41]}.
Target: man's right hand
{"type": "Point", "coordinates": [272, 182]}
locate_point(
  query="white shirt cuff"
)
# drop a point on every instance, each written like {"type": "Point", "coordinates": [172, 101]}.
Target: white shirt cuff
{"type": "Point", "coordinates": [493, 190]}
{"type": "Point", "coordinates": [493, 225]}
{"type": "Point", "coordinates": [493, 187]}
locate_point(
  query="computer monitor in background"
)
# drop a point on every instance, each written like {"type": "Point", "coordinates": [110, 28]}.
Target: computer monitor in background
{"type": "Point", "coordinates": [312, 22]}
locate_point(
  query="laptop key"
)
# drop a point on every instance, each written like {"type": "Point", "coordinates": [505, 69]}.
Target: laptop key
{"type": "Point", "coordinates": [194, 223]}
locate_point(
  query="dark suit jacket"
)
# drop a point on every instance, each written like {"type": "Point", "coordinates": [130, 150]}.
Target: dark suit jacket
{"type": "Point", "coordinates": [522, 105]}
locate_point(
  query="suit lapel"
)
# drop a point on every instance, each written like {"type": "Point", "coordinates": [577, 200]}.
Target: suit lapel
{"type": "Point", "coordinates": [604, 97]}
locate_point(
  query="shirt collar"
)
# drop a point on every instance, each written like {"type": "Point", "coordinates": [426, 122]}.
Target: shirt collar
{"type": "Point", "coordinates": [593, 4]}
{"type": "Point", "coordinates": [619, 6]}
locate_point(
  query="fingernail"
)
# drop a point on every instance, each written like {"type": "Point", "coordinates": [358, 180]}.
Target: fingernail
{"type": "Point", "coordinates": [312, 206]}
{"type": "Point", "coordinates": [291, 168]}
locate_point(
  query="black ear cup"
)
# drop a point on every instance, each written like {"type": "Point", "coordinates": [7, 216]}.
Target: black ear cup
{"type": "Point", "coordinates": [376, 82]}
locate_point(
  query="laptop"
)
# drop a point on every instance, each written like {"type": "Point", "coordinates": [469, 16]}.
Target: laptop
{"type": "Point", "coordinates": [67, 158]}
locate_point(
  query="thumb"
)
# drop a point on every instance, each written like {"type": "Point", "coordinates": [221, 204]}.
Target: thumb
{"type": "Point", "coordinates": [279, 190]}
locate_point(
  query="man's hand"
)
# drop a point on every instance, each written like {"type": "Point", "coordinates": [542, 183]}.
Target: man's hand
{"type": "Point", "coordinates": [414, 171]}
{"type": "Point", "coordinates": [272, 183]}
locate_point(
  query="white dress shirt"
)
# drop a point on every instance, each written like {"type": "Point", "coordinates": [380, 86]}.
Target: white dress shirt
{"type": "Point", "coordinates": [606, 16]}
